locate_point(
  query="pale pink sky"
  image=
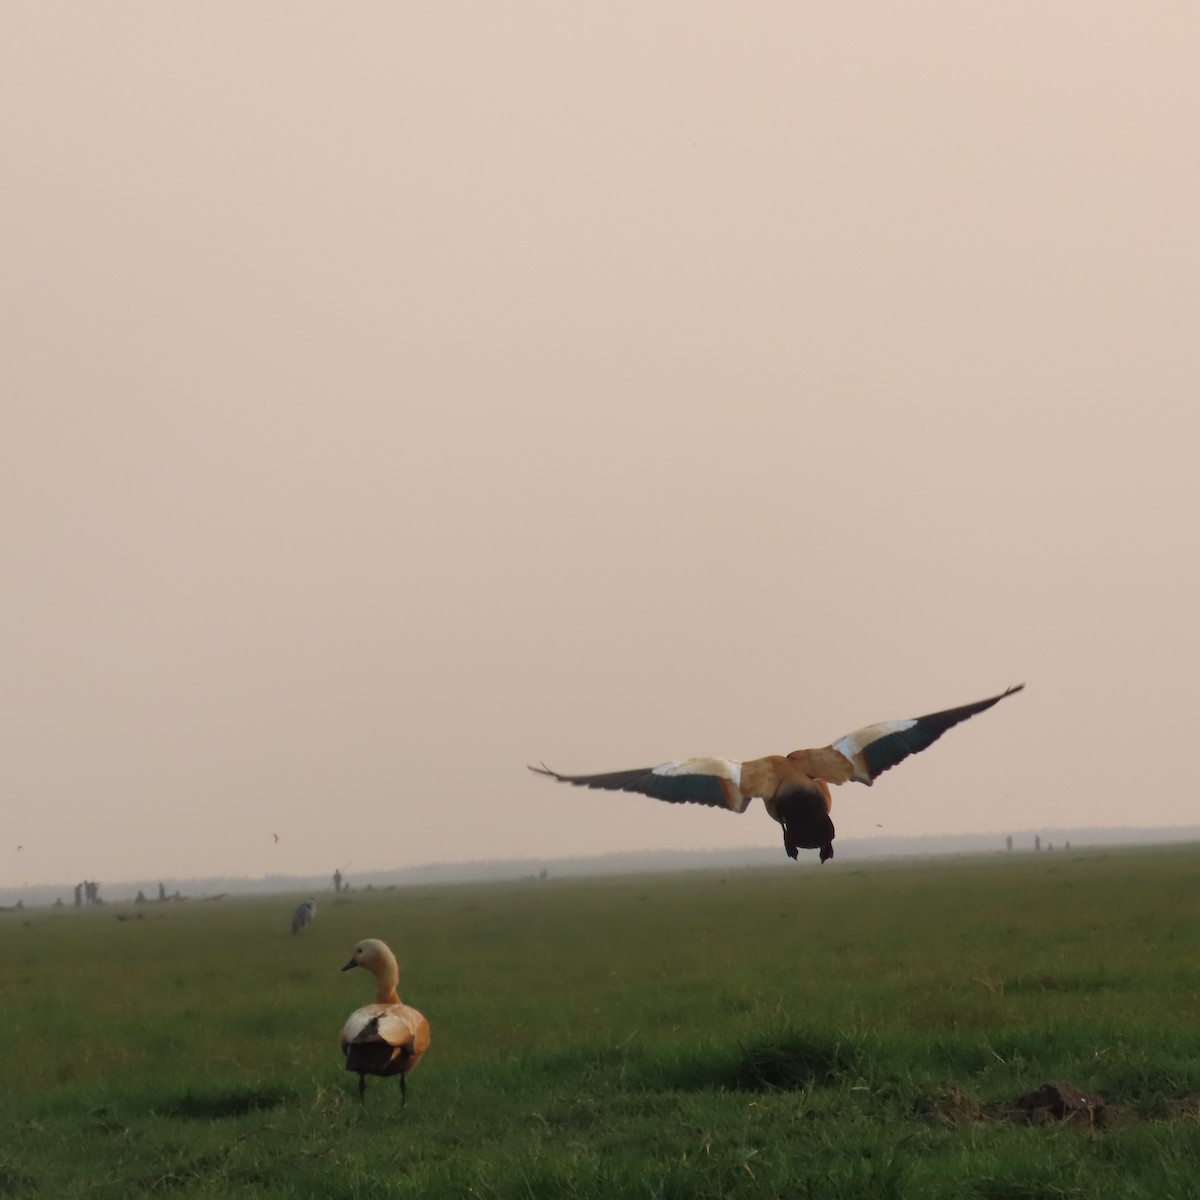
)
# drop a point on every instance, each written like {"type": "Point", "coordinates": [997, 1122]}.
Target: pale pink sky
{"type": "Point", "coordinates": [397, 394]}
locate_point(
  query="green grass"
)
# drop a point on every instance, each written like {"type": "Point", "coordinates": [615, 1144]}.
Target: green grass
{"type": "Point", "coordinates": [788, 1033]}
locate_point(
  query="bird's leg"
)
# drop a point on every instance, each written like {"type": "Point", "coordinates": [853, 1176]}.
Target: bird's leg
{"type": "Point", "coordinates": [826, 851]}
{"type": "Point", "coordinates": [403, 1092]}
{"type": "Point", "coordinates": [793, 851]}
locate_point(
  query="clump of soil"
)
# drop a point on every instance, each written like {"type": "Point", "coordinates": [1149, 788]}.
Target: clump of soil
{"type": "Point", "coordinates": [950, 1106]}
{"type": "Point", "coordinates": [1057, 1103]}
{"type": "Point", "coordinates": [1186, 1104]}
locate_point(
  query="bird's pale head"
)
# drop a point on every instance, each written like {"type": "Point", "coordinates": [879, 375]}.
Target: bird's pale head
{"type": "Point", "coordinates": [370, 953]}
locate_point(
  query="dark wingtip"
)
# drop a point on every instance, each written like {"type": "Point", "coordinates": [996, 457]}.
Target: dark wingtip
{"type": "Point", "coordinates": [543, 770]}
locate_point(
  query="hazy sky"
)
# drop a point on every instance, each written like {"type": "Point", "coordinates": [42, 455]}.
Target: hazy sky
{"type": "Point", "coordinates": [397, 394]}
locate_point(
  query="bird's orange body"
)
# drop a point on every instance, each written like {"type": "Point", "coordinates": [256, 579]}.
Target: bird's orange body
{"type": "Point", "coordinates": [388, 1037]}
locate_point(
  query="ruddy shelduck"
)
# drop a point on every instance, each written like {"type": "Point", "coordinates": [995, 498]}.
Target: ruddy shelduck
{"type": "Point", "coordinates": [795, 788]}
{"type": "Point", "coordinates": [387, 1037]}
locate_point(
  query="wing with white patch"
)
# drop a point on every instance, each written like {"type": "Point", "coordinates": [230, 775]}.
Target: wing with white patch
{"type": "Point", "coordinates": [712, 781]}
{"type": "Point", "coordinates": [395, 1024]}
{"type": "Point", "coordinates": [877, 748]}
{"type": "Point", "coordinates": [362, 1025]}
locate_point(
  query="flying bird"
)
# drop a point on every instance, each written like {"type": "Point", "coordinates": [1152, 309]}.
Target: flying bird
{"type": "Point", "coordinates": [387, 1037]}
{"type": "Point", "coordinates": [794, 788]}
{"type": "Point", "coordinates": [276, 837]}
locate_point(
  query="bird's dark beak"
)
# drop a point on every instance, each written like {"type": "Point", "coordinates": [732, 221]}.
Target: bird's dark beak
{"type": "Point", "coordinates": [349, 965]}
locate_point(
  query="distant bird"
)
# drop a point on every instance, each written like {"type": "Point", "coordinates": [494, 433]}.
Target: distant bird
{"type": "Point", "coordinates": [795, 789]}
{"type": "Point", "coordinates": [387, 1037]}
{"type": "Point", "coordinates": [304, 913]}
{"type": "Point", "coordinates": [276, 837]}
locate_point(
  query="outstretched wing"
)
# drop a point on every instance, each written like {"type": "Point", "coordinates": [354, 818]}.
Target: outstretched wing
{"type": "Point", "coordinates": [873, 750]}
{"type": "Point", "coordinates": [712, 781]}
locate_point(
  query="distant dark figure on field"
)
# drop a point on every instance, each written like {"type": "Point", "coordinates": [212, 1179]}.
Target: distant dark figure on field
{"type": "Point", "coordinates": [1008, 843]}
{"type": "Point", "coordinates": [1037, 841]}
{"type": "Point", "coordinates": [162, 893]}
{"type": "Point", "coordinates": [79, 895]}
{"type": "Point", "coordinates": [57, 903]}
{"type": "Point", "coordinates": [337, 879]}
{"type": "Point", "coordinates": [1066, 845]}
{"type": "Point", "coordinates": [304, 913]}
{"type": "Point", "coordinates": [140, 898]}
{"type": "Point", "coordinates": [793, 788]}
{"type": "Point", "coordinates": [387, 1037]}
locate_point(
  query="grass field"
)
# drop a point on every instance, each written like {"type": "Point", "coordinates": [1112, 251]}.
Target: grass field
{"type": "Point", "coordinates": [786, 1033]}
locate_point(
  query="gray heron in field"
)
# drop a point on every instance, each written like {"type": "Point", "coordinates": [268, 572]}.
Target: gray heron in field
{"type": "Point", "coordinates": [304, 913]}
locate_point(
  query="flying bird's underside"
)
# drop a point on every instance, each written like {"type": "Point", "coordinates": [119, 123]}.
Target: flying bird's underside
{"type": "Point", "coordinates": [795, 787]}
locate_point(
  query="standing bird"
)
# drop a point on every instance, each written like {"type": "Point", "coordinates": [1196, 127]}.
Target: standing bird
{"type": "Point", "coordinates": [794, 789]}
{"type": "Point", "coordinates": [305, 912]}
{"type": "Point", "coordinates": [387, 1037]}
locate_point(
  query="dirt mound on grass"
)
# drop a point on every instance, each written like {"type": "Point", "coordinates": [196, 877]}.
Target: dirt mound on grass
{"type": "Point", "coordinates": [1186, 1104]}
{"type": "Point", "coordinates": [950, 1106]}
{"type": "Point", "coordinates": [1057, 1103]}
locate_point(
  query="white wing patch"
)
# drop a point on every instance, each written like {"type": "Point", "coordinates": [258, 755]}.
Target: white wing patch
{"type": "Point", "coordinates": [853, 744]}
{"type": "Point", "coordinates": [397, 1024]}
{"type": "Point", "coordinates": [727, 770]}
{"type": "Point", "coordinates": [722, 768]}
{"type": "Point", "coordinates": [358, 1022]}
